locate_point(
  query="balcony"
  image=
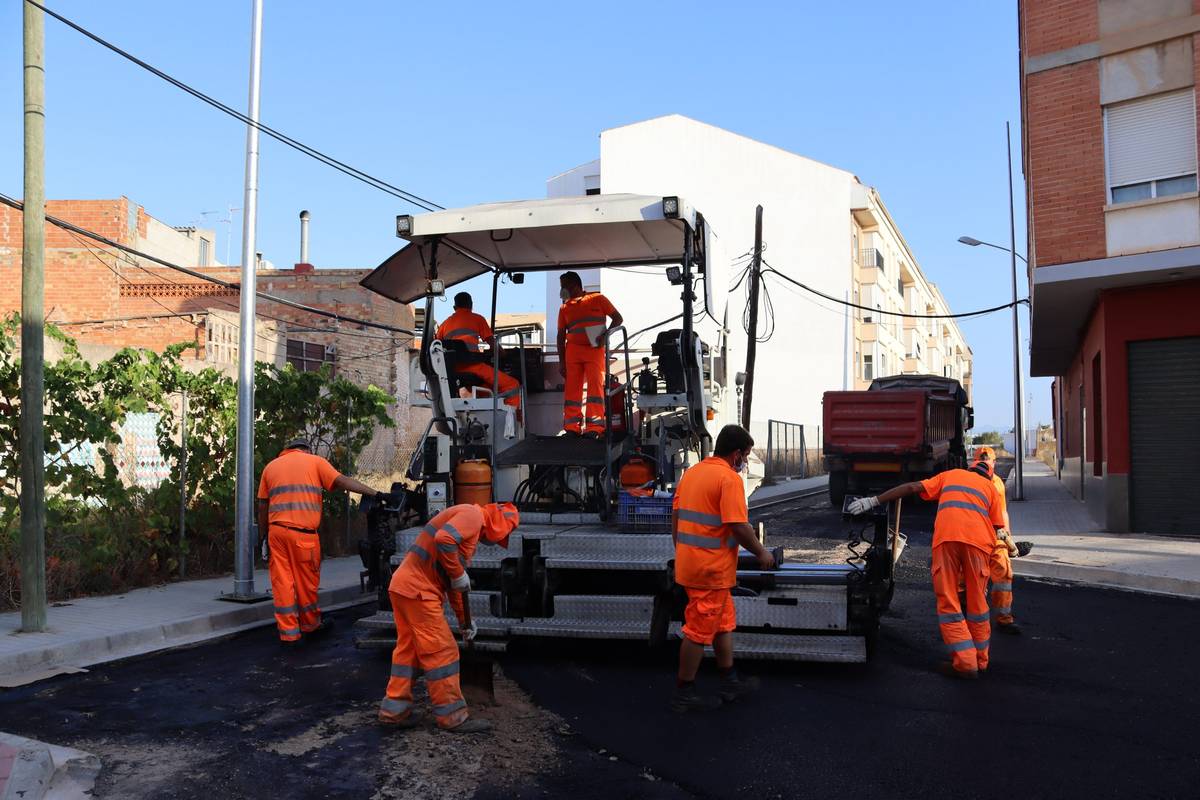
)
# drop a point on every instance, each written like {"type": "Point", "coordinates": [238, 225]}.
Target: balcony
{"type": "Point", "coordinates": [871, 257]}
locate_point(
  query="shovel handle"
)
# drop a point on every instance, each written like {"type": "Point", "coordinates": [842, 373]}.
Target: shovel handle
{"type": "Point", "coordinates": [466, 601]}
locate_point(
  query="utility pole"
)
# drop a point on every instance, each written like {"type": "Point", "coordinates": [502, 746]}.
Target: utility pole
{"type": "Point", "coordinates": [33, 320]}
{"type": "Point", "coordinates": [243, 554]}
{"type": "Point", "coordinates": [752, 341]}
{"type": "Point", "coordinates": [1018, 376]}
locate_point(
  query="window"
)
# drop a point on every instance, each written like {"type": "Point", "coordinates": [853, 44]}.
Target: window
{"type": "Point", "coordinates": [883, 369]}
{"type": "Point", "coordinates": [310, 356]}
{"type": "Point", "coordinates": [867, 316]}
{"type": "Point", "coordinates": [900, 286]}
{"type": "Point", "coordinates": [204, 252]}
{"type": "Point", "coordinates": [1150, 146]}
{"type": "Point", "coordinates": [868, 371]}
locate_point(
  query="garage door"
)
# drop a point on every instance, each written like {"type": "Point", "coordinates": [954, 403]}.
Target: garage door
{"type": "Point", "coordinates": [1164, 435]}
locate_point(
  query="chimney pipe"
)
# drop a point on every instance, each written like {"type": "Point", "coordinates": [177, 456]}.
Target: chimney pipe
{"type": "Point", "coordinates": [304, 237]}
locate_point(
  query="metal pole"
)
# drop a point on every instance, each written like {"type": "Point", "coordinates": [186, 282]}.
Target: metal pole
{"type": "Point", "coordinates": [33, 254]}
{"type": "Point", "coordinates": [349, 471]}
{"type": "Point", "coordinates": [183, 488]}
{"type": "Point", "coordinates": [1018, 377]}
{"type": "Point", "coordinates": [770, 447]}
{"type": "Point", "coordinates": [752, 340]}
{"type": "Point", "coordinates": [243, 559]}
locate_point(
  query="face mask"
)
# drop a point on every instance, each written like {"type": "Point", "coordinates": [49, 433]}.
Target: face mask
{"type": "Point", "coordinates": [741, 465]}
{"type": "Point", "coordinates": [565, 294]}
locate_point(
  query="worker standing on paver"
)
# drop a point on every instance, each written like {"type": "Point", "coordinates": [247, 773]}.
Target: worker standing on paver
{"type": "Point", "coordinates": [582, 326]}
{"type": "Point", "coordinates": [465, 326]}
{"type": "Point", "coordinates": [289, 515]}
{"type": "Point", "coordinates": [1002, 554]}
{"type": "Point", "coordinates": [709, 519]}
{"type": "Point", "coordinates": [964, 535]}
{"type": "Point", "coordinates": [434, 568]}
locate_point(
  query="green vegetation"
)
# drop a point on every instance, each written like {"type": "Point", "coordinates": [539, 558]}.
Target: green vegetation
{"type": "Point", "coordinates": [104, 534]}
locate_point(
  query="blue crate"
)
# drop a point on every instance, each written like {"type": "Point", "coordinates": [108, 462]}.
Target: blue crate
{"type": "Point", "coordinates": [643, 514]}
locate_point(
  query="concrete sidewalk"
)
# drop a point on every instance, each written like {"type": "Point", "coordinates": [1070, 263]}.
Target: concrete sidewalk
{"type": "Point", "coordinates": [1070, 545]}
{"type": "Point", "coordinates": [787, 490]}
{"type": "Point", "coordinates": [92, 630]}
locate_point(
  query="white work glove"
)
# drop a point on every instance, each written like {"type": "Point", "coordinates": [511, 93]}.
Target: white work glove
{"type": "Point", "coordinates": [462, 583]}
{"type": "Point", "coordinates": [470, 632]}
{"type": "Point", "coordinates": [862, 505]}
{"type": "Point", "coordinates": [266, 551]}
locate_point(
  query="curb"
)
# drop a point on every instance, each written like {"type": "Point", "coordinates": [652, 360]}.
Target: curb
{"type": "Point", "coordinates": [46, 770]}
{"type": "Point", "coordinates": [799, 494]}
{"type": "Point", "coordinates": [190, 630]}
{"type": "Point", "coordinates": [1107, 578]}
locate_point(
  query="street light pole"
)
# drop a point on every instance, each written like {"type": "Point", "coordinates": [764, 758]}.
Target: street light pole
{"type": "Point", "coordinates": [1018, 376]}
{"type": "Point", "coordinates": [243, 555]}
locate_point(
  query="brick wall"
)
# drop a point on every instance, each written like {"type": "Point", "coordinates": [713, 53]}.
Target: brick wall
{"type": "Point", "coordinates": [1065, 158]}
{"type": "Point", "coordinates": [1051, 25]}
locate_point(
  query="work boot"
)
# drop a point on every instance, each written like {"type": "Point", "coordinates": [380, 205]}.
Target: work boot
{"type": "Point", "coordinates": [411, 721]}
{"type": "Point", "coordinates": [686, 698]}
{"type": "Point", "coordinates": [323, 629]}
{"type": "Point", "coordinates": [1011, 628]}
{"type": "Point", "coordinates": [471, 725]}
{"type": "Point", "coordinates": [734, 688]}
{"type": "Point", "coordinates": [947, 669]}
{"type": "Point", "coordinates": [592, 435]}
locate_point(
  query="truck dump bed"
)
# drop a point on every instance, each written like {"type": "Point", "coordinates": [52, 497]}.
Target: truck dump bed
{"type": "Point", "coordinates": [879, 423]}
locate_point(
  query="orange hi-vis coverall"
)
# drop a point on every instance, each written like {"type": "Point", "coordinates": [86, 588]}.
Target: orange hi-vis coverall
{"type": "Point", "coordinates": [418, 591]}
{"type": "Point", "coordinates": [710, 496]}
{"type": "Point", "coordinates": [583, 362]}
{"type": "Point", "coordinates": [964, 533]}
{"type": "Point", "coordinates": [293, 485]}
{"type": "Point", "coordinates": [470, 328]}
{"type": "Point", "coordinates": [1001, 567]}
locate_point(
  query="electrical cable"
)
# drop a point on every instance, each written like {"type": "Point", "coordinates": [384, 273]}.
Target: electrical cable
{"type": "Point", "coordinates": [311, 152]}
{"type": "Point", "coordinates": [976, 313]}
{"type": "Point", "coordinates": [17, 204]}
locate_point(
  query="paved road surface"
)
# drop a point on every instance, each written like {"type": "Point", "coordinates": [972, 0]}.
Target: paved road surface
{"type": "Point", "coordinates": [1097, 700]}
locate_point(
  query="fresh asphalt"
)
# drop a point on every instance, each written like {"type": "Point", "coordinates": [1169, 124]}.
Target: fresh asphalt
{"type": "Point", "coordinates": [1097, 699]}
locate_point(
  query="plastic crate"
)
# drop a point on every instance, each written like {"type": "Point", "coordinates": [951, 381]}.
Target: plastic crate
{"type": "Point", "coordinates": [643, 514]}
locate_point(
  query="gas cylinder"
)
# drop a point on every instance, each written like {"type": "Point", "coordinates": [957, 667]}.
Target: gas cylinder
{"type": "Point", "coordinates": [616, 407]}
{"type": "Point", "coordinates": [473, 482]}
{"type": "Point", "coordinates": [637, 472]}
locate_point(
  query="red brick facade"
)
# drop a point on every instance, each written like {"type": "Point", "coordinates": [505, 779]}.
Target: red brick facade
{"type": "Point", "coordinates": [1065, 163]}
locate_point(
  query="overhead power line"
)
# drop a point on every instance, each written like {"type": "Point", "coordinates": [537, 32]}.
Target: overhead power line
{"type": "Point", "coordinates": [17, 204]}
{"type": "Point", "coordinates": [977, 313]}
{"type": "Point", "coordinates": [311, 152]}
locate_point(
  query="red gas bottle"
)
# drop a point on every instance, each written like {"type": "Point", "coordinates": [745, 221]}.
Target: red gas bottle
{"type": "Point", "coordinates": [616, 407]}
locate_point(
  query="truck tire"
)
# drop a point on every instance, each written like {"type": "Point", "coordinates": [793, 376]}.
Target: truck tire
{"type": "Point", "coordinates": [837, 488]}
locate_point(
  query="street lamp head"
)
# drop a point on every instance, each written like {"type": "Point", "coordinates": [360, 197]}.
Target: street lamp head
{"type": "Point", "coordinates": [969, 241]}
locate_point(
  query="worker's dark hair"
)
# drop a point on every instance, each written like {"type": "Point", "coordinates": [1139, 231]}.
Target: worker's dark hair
{"type": "Point", "coordinates": [463, 300]}
{"type": "Point", "coordinates": [571, 279]}
{"type": "Point", "coordinates": [733, 439]}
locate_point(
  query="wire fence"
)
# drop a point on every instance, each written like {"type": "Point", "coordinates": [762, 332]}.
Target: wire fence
{"type": "Point", "coordinates": [789, 452]}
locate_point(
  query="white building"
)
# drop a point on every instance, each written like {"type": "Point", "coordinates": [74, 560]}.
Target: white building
{"type": "Point", "coordinates": [820, 225]}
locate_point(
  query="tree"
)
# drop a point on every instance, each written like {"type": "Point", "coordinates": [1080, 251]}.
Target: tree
{"type": "Point", "coordinates": [988, 437]}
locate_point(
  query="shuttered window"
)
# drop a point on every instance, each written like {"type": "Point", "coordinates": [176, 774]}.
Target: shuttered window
{"type": "Point", "coordinates": [1151, 146]}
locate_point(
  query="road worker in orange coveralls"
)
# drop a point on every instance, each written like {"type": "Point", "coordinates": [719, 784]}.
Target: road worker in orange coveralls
{"type": "Point", "coordinates": [289, 515]}
{"type": "Point", "coordinates": [964, 534]}
{"type": "Point", "coordinates": [709, 520]}
{"type": "Point", "coordinates": [466, 326]}
{"type": "Point", "coordinates": [1002, 554]}
{"type": "Point", "coordinates": [582, 324]}
{"type": "Point", "coordinates": [434, 570]}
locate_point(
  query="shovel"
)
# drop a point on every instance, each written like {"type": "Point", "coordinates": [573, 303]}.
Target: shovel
{"type": "Point", "coordinates": [475, 669]}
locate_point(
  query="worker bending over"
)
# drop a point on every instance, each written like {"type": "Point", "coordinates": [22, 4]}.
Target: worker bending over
{"type": "Point", "coordinates": [289, 515]}
{"type": "Point", "coordinates": [465, 326]}
{"type": "Point", "coordinates": [1002, 554]}
{"type": "Point", "coordinates": [434, 568]}
{"type": "Point", "coordinates": [964, 535]}
{"type": "Point", "coordinates": [708, 521]}
{"type": "Point", "coordinates": [582, 326]}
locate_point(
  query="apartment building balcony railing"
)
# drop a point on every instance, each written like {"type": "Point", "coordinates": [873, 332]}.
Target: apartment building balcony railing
{"type": "Point", "coordinates": [871, 257]}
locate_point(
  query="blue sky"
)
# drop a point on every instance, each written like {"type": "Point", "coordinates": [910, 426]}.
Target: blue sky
{"type": "Point", "coordinates": [472, 102]}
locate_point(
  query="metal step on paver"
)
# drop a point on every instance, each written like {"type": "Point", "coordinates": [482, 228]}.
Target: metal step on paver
{"type": "Point", "coordinates": [592, 617]}
{"type": "Point", "coordinates": [482, 605]}
{"type": "Point", "coordinates": [810, 608]}
{"type": "Point", "coordinates": [487, 555]}
{"type": "Point", "coordinates": [598, 549]}
{"type": "Point", "coordinates": [389, 642]}
{"type": "Point", "coordinates": [785, 647]}
{"type": "Point", "coordinates": [559, 519]}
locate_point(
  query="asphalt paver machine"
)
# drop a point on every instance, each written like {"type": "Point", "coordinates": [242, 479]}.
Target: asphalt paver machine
{"type": "Point", "coordinates": [587, 560]}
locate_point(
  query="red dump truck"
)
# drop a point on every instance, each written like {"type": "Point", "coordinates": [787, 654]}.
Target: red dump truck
{"type": "Point", "coordinates": [903, 428]}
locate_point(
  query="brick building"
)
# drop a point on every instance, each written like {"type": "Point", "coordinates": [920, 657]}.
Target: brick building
{"type": "Point", "coordinates": [1108, 93]}
{"type": "Point", "coordinates": [104, 297]}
